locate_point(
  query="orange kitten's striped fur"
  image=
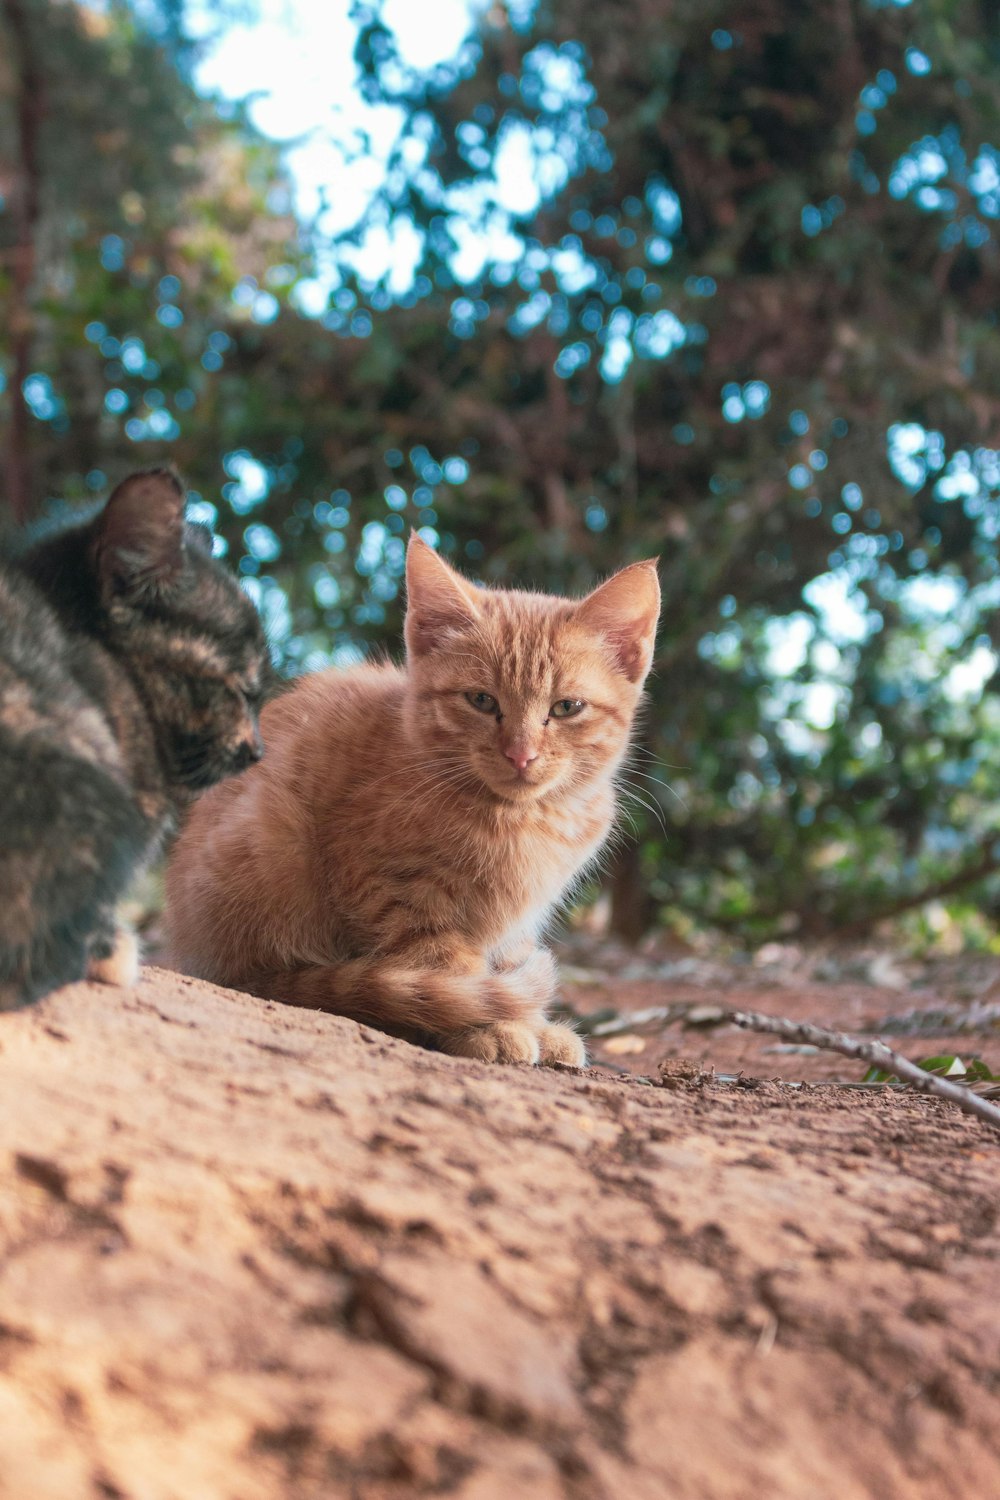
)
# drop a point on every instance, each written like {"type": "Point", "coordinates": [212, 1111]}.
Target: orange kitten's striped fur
{"type": "Point", "coordinates": [398, 852]}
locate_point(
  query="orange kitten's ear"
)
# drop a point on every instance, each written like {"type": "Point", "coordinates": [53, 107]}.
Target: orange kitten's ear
{"type": "Point", "coordinates": [438, 599]}
{"type": "Point", "coordinates": [625, 611]}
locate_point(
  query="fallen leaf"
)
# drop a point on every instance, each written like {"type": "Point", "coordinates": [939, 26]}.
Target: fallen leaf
{"type": "Point", "coordinates": [621, 1046]}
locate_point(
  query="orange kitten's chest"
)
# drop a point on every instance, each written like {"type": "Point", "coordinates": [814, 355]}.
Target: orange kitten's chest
{"type": "Point", "coordinates": [526, 872]}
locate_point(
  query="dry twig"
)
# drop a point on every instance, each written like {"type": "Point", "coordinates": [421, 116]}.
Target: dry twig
{"type": "Point", "coordinates": [876, 1053]}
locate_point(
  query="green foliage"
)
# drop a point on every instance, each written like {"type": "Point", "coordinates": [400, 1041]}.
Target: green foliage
{"type": "Point", "coordinates": [745, 321]}
{"type": "Point", "coordinates": [945, 1066]}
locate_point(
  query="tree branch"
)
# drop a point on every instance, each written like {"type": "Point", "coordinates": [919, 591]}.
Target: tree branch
{"type": "Point", "coordinates": [876, 1053]}
{"type": "Point", "coordinates": [988, 864]}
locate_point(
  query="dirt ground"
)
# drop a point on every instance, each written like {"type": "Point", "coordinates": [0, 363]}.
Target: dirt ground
{"type": "Point", "coordinates": [253, 1253]}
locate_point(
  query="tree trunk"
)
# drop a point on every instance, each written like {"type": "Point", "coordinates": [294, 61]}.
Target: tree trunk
{"type": "Point", "coordinates": [631, 903]}
{"type": "Point", "coordinates": [29, 106]}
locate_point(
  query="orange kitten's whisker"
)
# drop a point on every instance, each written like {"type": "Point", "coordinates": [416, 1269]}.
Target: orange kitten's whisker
{"type": "Point", "coordinates": [638, 794]}
{"type": "Point", "coordinates": [409, 786]}
{"type": "Point", "coordinates": [625, 812]}
{"type": "Point", "coordinates": [648, 807]}
{"type": "Point", "coordinates": [666, 764]}
{"type": "Point", "coordinates": [456, 780]}
{"type": "Point", "coordinates": [413, 768]}
{"type": "Point", "coordinates": [657, 781]}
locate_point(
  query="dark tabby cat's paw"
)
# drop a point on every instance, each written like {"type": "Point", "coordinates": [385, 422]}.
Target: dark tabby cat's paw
{"type": "Point", "coordinates": [115, 960]}
{"type": "Point", "coordinates": [551, 1043]}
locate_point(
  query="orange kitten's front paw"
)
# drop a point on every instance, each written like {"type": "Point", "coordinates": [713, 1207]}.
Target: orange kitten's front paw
{"type": "Point", "coordinates": [117, 962]}
{"type": "Point", "coordinates": [559, 1046]}
{"type": "Point", "coordinates": [501, 1042]}
{"type": "Point", "coordinates": [552, 1043]}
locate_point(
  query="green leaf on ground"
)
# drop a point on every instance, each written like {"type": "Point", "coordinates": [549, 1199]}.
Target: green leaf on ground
{"type": "Point", "coordinates": [946, 1065]}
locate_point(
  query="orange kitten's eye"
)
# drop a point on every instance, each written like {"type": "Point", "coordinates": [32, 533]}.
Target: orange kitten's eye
{"type": "Point", "coordinates": [567, 708]}
{"type": "Point", "coordinates": [484, 702]}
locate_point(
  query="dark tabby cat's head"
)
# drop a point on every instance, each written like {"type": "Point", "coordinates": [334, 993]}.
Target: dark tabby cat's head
{"type": "Point", "coordinates": [179, 622]}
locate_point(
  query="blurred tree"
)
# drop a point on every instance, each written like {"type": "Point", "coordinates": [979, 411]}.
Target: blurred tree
{"type": "Point", "coordinates": [132, 209]}
{"type": "Point", "coordinates": [716, 287]}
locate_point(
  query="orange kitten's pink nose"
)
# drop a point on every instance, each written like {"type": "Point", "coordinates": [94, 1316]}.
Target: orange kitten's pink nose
{"type": "Point", "coordinates": [521, 756]}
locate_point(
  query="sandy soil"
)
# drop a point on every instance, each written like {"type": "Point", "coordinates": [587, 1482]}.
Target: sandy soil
{"type": "Point", "coordinates": [253, 1253]}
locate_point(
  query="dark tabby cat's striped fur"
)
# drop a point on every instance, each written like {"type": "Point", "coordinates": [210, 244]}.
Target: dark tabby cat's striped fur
{"type": "Point", "coordinates": [131, 669]}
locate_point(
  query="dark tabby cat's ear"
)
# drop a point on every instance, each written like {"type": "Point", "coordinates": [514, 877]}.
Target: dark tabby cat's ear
{"type": "Point", "coordinates": [200, 536]}
{"type": "Point", "coordinates": [625, 611]}
{"type": "Point", "coordinates": [438, 600]}
{"type": "Point", "coordinates": [140, 536]}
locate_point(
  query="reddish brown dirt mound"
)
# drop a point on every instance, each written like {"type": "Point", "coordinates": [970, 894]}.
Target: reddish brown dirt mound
{"type": "Point", "coordinates": [251, 1252]}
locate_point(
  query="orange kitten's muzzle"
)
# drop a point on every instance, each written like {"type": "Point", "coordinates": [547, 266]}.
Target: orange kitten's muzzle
{"type": "Point", "coordinates": [520, 756]}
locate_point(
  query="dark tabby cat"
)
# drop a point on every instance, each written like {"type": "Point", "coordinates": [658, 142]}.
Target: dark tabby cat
{"type": "Point", "coordinates": [131, 669]}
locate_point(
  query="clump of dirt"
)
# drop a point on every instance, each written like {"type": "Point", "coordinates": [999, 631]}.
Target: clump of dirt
{"type": "Point", "coordinates": [250, 1252]}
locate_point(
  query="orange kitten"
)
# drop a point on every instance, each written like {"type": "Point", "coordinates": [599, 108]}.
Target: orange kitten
{"type": "Point", "coordinates": [398, 852]}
